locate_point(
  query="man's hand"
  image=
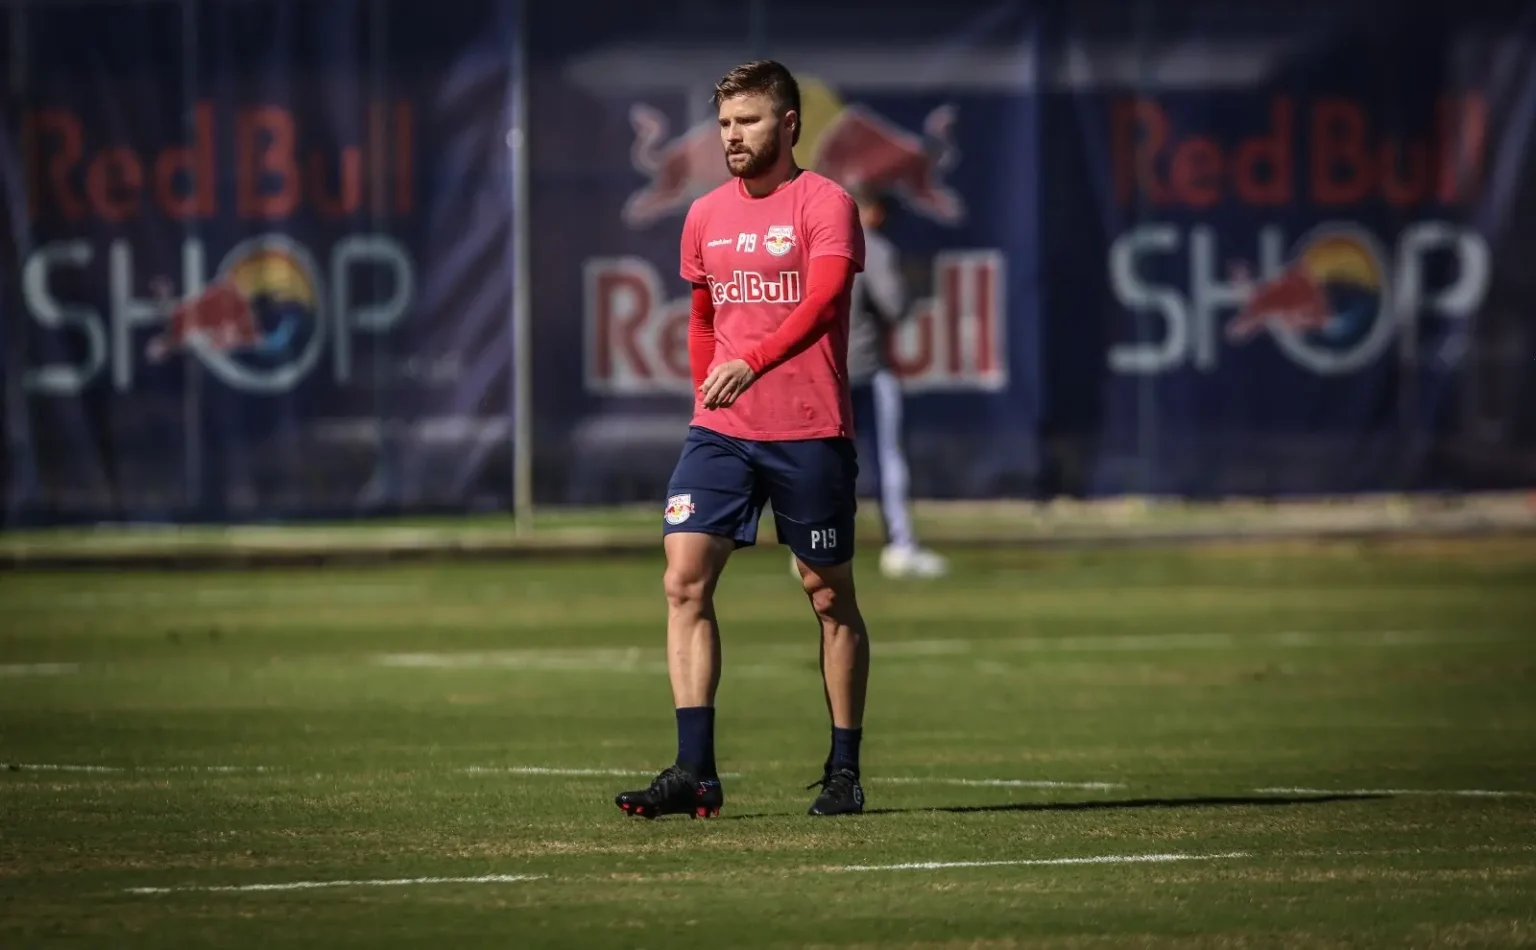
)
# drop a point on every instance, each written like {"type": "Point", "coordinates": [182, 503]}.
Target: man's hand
{"type": "Point", "coordinates": [726, 383]}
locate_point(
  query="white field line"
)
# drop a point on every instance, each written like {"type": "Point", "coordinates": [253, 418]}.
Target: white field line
{"type": "Point", "coordinates": [117, 769]}
{"type": "Point", "coordinates": [517, 878]}
{"type": "Point", "coordinates": [591, 660]}
{"type": "Point", "coordinates": [575, 773]}
{"type": "Point", "coordinates": [310, 885]}
{"type": "Point", "coordinates": [1158, 643]}
{"type": "Point", "coordinates": [1042, 862]}
{"type": "Point", "coordinates": [914, 780]}
{"type": "Point", "coordinates": [220, 596]}
{"type": "Point", "coordinates": [1458, 792]}
{"type": "Point", "coordinates": [598, 660]}
{"type": "Point", "coordinates": [995, 782]}
{"type": "Point", "coordinates": [37, 669]}
{"type": "Point", "coordinates": [555, 771]}
{"type": "Point", "coordinates": [653, 660]}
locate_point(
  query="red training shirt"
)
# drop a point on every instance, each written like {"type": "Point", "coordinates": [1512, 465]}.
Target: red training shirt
{"type": "Point", "coordinates": [772, 279]}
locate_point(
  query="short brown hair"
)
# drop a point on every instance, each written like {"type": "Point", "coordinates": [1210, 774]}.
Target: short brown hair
{"type": "Point", "coordinates": [762, 76]}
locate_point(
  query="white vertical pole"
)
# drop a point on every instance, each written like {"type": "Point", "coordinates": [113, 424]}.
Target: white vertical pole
{"type": "Point", "coordinates": [522, 300]}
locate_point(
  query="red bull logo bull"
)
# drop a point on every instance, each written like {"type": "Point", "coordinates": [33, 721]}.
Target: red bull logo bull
{"type": "Point", "coordinates": [223, 317]}
{"type": "Point", "coordinates": [257, 324]}
{"type": "Point", "coordinates": [679, 509]}
{"type": "Point", "coordinates": [1294, 301]}
{"type": "Point", "coordinates": [220, 318]}
{"type": "Point", "coordinates": [850, 144]}
{"type": "Point", "coordinates": [863, 150]}
{"type": "Point", "coordinates": [1333, 288]}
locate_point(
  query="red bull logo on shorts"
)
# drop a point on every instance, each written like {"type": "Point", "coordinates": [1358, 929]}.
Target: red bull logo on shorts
{"type": "Point", "coordinates": [679, 509]}
{"type": "Point", "coordinates": [850, 144]}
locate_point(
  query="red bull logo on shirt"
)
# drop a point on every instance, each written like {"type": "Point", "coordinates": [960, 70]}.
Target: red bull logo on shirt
{"type": "Point", "coordinates": [850, 144]}
{"type": "Point", "coordinates": [263, 321]}
{"type": "Point", "coordinates": [751, 287]}
{"type": "Point", "coordinates": [1333, 300]}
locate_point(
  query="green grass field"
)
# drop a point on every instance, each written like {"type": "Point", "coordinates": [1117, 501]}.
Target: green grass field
{"type": "Point", "coordinates": [1256, 746]}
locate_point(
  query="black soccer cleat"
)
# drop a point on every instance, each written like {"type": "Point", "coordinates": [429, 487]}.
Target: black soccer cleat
{"type": "Point", "coordinates": [841, 794]}
{"type": "Point", "coordinates": [673, 792]}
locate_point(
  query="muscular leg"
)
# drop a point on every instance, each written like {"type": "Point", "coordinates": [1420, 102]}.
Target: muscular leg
{"type": "Point", "coordinates": [844, 641]}
{"type": "Point", "coordinates": [811, 485]}
{"type": "Point", "coordinates": [694, 565]}
{"type": "Point", "coordinates": [692, 784]}
{"type": "Point", "coordinates": [714, 502]}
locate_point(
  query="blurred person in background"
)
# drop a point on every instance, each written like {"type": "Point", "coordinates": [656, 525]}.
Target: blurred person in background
{"type": "Point", "coordinates": [879, 304]}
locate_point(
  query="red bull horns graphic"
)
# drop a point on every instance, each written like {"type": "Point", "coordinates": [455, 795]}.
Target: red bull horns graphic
{"type": "Point", "coordinates": [637, 337]}
{"type": "Point", "coordinates": [850, 144]}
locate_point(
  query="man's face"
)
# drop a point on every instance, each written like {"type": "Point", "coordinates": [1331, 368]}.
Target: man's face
{"type": "Point", "coordinates": [752, 134]}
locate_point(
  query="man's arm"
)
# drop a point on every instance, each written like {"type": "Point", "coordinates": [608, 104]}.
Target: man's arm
{"type": "Point", "coordinates": [835, 252]}
{"type": "Point", "coordinates": [701, 334]}
{"type": "Point", "coordinates": [834, 246]}
{"type": "Point", "coordinates": [808, 322]}
{"type": "Point", "coordinates": [882, 283]}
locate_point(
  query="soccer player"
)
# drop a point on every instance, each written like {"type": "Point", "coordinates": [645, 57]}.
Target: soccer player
{"type": "Point", "coordinates": [771, 255]}
{"type": "Point", "coordinates": [879, 304]}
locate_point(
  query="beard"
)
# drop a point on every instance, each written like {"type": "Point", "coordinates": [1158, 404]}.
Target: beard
{"type": "Point", "coordinates": [757, 162]}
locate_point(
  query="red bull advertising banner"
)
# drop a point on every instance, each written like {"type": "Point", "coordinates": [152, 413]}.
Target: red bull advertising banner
{"type": "Point", "coordinates": [260, 256]}
{"type": "Point", "coordinates": [228, 293]}
{"type": "Point", "coordinates": [963, 213]}
{"type": "Point", "coordinates": [1299, 275]}
{"type": "Point", "coordinates": [1262, 268]}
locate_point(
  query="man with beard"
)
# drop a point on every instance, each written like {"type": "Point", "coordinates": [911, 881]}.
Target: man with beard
{"type": "Point", "coordinates": [771, 256]}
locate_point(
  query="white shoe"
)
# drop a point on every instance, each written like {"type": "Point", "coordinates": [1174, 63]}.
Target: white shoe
{"type": "Point", "coordinates": [912, 562]}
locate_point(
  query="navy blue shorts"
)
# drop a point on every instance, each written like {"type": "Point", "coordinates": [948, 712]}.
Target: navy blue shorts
{"type": "Point", "coordinates": [721, 484]}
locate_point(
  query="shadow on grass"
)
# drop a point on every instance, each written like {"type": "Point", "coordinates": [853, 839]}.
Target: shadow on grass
{"type": "Point", "coordinates": [1269, 801]}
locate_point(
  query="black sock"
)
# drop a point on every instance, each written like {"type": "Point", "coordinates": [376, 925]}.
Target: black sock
{"type": "Point", "coordinates": [696, 741]}
{"type": "Point", "coordinates": [845, 750]}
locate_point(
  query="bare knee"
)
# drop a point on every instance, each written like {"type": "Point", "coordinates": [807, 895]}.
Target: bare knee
{"type": "Point", "coordinates": [686, 586]}
{"type": "Point", "coordinates": [694, 563]}
{"type": "Point", "coordinates": [831, 594]}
